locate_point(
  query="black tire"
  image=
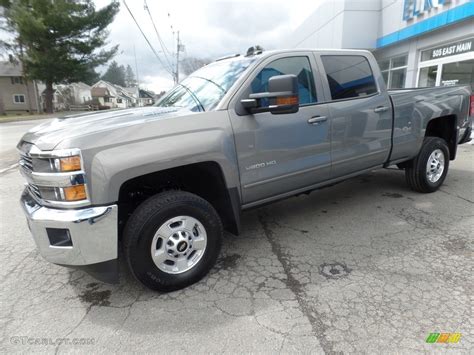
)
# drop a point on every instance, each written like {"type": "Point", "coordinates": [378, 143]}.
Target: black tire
{"type": "Point", "coordinates": [416, 169]}
{"type": "Point", "coordinates": [145, 221]}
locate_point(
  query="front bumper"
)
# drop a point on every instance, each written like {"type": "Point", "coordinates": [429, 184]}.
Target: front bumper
{"type": "Point", "coordinates": [92, 232]}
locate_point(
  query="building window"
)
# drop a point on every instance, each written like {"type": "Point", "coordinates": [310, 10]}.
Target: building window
{"type": "Point", "coordinates": [349, 76]}
{"type": "Point", "coordinates": [19, 99]}
{"type": "Point", "coordinates": [458, 73]}
{"type": "Point", "coordinates": [16, 80]}
{"type": "Point", "coordinates": [119, 101]}
{"type": "Point", "coordinates": [394, 71]}
{"type": "Point", "coordinates": [428, 76]}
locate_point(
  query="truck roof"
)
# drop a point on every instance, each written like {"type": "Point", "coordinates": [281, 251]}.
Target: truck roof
{"type": "Point", "coordinates": [266, 53]}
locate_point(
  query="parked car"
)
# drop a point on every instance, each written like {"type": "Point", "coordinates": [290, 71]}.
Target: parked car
{"type": "Point", "coordinates": [164, 182]}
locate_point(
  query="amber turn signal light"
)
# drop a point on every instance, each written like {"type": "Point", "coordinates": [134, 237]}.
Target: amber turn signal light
{"type": "Point", "coordinates": [70, 163]}
{"type": "Point", "coordinates": [288, 100]}
{"type": "Point", "coordinates": [75, 193]}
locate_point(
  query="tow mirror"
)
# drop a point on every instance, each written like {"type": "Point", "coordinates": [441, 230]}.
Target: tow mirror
{"type": "Point", "coordinates": [282, 96]}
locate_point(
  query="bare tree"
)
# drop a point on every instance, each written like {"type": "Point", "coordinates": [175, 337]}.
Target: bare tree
{"type": "Point", "coordinates": [191, 64]}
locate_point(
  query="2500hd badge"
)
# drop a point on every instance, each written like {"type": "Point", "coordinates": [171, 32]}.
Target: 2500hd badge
{"type": "Point", "coordinates": [260, 165]}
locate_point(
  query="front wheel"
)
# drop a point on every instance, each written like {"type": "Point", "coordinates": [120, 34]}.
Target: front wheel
{"type": "Point", "coordinates": [427, 171]}
{"type": "Point", "coordinates": [172, 240]}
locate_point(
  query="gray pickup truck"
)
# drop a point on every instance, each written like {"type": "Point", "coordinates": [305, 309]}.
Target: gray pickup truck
{"type": "Point", "coordinates": [164, 182]}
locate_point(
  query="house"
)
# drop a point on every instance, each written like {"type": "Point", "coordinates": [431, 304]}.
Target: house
{"type": "Point", "coordinates": [101, 96]}
{"type": "Point", "coordinates": [114, 96]}
{"type": "Point", "coordinates": [132, 92]}
{"type": "Point", "coordinates": [59, 98]}
{"type": "Point", "coordinates": [145, 98]}
{"type": "Point", "coordinates": [17, 94]}
{"type": "Point", "coordinates": [71, 96]}
{"type": "Point", "coordinates": [77, 93]}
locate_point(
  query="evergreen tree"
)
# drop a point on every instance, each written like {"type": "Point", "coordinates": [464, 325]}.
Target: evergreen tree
{"type": "Point", "coordinates": [91, 77]}
{"type": "Point", "coordinates": [115, 74]}
{"type": "Point", "coordinates": [59, 41]}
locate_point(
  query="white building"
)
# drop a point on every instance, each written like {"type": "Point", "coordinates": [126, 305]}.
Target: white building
{"type": "Point", "coordinates": [416, 42]}
{"type": "Point", "coordinates": [113, 96]}
{"type": "Point", "coordinates": [71, 96]}
{"type": "Point", "coordinates": [80, 93]}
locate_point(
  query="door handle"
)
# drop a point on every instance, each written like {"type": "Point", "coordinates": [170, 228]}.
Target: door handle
{"type": "Point", "coordinates": [317, 119]}
{"type": "Point", "coordinates": [380, 109]}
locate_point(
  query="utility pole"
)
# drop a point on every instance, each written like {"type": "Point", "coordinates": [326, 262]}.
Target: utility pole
{"type": "Point", "coordinates": [136, 67]}
{"type": "Point", "coordinates": [177, 59]}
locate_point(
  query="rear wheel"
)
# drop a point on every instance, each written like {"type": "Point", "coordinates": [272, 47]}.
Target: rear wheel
{"type": "Point", "coordinates": [172, 240]}
{"type": "Point", "coordinates": [427, 171]}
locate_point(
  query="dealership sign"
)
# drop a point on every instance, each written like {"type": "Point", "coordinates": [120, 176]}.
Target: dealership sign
{"type": "Point", "coordinates": [416, 8]}
{"type": "Point", "coordinates": [460, 47]}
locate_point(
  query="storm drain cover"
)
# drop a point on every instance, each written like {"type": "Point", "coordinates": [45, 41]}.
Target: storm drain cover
{"type": "Point", "coordinates": [334, 270]}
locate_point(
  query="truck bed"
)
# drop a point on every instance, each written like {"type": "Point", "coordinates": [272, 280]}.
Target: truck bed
{"type": "Point", "coordinates": [414, 107]}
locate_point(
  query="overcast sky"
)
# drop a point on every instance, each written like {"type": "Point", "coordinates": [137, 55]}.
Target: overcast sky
{"type": "Point", "coordinates": [208, 29]}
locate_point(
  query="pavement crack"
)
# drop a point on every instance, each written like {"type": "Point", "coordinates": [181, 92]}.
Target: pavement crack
{"type": "Point", "coordinates": [88, 309]}
{"type": "Point", "coordinates": [8, 169]}
{"type": "Point", "coordinates": [457, 196]}
{"type": "Point", "coordinates": [315, 319]}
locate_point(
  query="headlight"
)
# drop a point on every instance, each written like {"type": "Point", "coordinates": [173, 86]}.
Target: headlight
{"type": "Point", "coordinates": [56, 178]}
{"type": "Point", "coordinates": [69, 163]}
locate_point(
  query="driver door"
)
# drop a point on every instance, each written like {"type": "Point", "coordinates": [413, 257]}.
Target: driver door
{"type": "Point", "coordinates": [281, 153]}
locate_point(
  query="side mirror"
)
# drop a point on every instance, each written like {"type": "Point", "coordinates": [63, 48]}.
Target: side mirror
{"type": "Point", "coordinates": [282, 96]}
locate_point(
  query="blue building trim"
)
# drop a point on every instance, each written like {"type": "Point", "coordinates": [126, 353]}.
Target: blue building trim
{"type": "Point", "coordinates": [448, 17]}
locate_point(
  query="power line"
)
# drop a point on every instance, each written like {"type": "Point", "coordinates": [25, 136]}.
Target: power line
{"type": "Point", "coordinates": [147, 41]}
{"type": "Point", "coordinates": [162, 44]}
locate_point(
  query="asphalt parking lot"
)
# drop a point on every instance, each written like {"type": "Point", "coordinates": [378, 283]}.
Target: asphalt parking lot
{"type": "Point", "coordinates": [366, 266]}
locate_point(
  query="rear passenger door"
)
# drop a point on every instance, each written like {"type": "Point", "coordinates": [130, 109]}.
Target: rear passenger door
{"type": "Point", "coordinates": [360, 111]}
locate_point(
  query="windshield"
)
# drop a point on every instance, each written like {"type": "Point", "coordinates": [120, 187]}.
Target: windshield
{"type": "Point", "coordinates": [204, 89]}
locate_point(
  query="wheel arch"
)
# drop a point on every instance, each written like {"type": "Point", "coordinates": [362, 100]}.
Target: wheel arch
{"type": "Point", "coordinates": [444, 127]}
{"type": "Point", "coordinates": [205, 179]}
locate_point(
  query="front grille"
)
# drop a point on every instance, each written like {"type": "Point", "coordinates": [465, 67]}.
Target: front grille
{"type": "Point", "coordinates": [34, 190]}
{"type": "Point", "coordinates": [26, 165]}
{"type": "Point", "coordinates": [26, 162]}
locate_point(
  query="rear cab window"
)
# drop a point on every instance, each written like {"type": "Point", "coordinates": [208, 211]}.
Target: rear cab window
{"type": "Point", "coordinates": [349, 76]}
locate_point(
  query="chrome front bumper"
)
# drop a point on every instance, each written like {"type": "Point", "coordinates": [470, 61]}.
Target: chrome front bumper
{"type": "Point", "coordinates": [92, 232]}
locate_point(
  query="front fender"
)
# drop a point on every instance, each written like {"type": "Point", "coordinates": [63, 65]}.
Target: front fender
{"type": "Point", "coordinates": [114, 166]}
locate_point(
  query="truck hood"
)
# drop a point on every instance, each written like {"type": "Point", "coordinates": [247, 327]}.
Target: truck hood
{"type": "Point", "coordinates": [48, 135]}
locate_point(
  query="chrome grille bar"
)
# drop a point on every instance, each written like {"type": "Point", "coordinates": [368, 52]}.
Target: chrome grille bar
{"type": "Point", "coordinates": [26, 162]}
{"type": "Point", "coordinates": [34, 191]}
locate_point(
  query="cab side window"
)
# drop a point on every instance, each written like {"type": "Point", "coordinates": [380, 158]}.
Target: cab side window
{"type": "Point", "coordinates": [349, 76]}
{"type": "Point", "coordinates": [298, 66]}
